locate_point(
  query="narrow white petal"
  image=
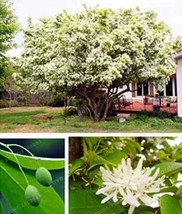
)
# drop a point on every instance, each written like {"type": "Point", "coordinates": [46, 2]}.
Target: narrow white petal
{"type": "Point", "coordinates": [147, 200]}
{"type": "Point", "coordinates": [131, 209]}
{"type": "Point", "coordinates": [107, 198]}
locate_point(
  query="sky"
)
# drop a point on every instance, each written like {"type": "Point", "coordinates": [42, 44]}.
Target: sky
{"type": "Point", "coordinates": [169, 11]}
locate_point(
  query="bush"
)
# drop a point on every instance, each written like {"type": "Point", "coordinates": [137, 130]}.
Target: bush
{"type": "Point", "coordinates": [7, 103]}
{"type": "Point", "coordinates": [158, 114]}
{"type": "Point", "coordinates": [13, 103]}
{"type": "Point", "coordinates": [178, 119]}
{"type": "Point", "coordinates": [143, 113]}
{"type": "Point", "coordinates": [70, 110]}
{"type": "Point", "coordinates": [162, 114]}
{"type": "Point", "coordinates": [4, 104]}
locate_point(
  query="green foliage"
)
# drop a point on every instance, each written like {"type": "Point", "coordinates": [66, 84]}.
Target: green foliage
{"type": "Point", "coordinates": [94, 49]}
{"type": "Point", "coordinates": [143, 113]}
{"type": "Point", "coordinates": [31, 163]}
{"type": "Point", "coordinates": [89, 203]}
{"type": "Point", "coordinates": [169, 204]}
{"type": "Point", "coordinates": [13, 181]}
{"type": "Point", "coordinates": [13, 103]}
{"type": "Point", "coordinates": [8, 28]}
{"type": "Point", "coordinates": [1, 208]}
{"type": "Point", "coordinates": [6, 103]}
{"type": "Point", "coordinates": [85, 175]}
{"type": "Point", "coordinates": [169, 168]}
{"type": "Point", "coordinates": [70, 110]}
{"type": "Point", "coordinates": [158, 114]}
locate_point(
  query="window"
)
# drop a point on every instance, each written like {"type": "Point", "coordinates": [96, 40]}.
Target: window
{"type": "Point", "coordinates": [169, 88]}
{"type": "Point", "coordinates": [142, 89]}
{"type": "Point", "coordinates": [139, 89]}
{"type": "Point", "coordinates": [175, 85]}
{"type": "Point", "coordinates": [145, 89]}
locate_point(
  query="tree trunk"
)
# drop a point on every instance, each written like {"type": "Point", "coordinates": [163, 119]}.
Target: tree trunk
{"type": "Point", "coordinates": [75, 148]}
{"type": "Point", "coordinates": [98, 101]}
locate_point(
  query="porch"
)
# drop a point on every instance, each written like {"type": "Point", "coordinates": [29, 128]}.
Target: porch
{"type": "Point", "coordinates": [136, 107]}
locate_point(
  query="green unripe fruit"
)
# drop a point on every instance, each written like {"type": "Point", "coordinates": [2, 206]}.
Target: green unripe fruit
{"type": "Point", "coordinates": [32, 195]}
{"type": "Point", "coordinates": [43, 176]}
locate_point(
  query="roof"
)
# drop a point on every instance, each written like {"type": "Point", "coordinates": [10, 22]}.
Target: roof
{"type": "Point", "coordinates": [178, 55]}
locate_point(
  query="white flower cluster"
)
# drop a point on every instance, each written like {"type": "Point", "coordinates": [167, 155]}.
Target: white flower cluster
{"type": "Point", "coordinates": [96, 46]}
{"type": "Point", "coordinates": [129, 185]}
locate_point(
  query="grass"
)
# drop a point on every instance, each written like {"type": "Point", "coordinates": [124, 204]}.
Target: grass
{"type": "Point", "coordinates": [47, 119]}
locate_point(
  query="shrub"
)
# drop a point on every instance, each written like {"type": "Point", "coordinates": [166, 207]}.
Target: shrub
{"type": "Point", "coordinates": [70, 110]}
{"type": "Point", "coordinates": [13, 103]}
{"type": "Point", "coordinates": [4, 104]}
{"type": "Point", "coordinates": [143, 113]}
{"type": "Point", "coordinates": [158, 114]}
{"type": "Point", "coordinates": [178, 119]}
{"type": "Point", "coordinates": [7, 103]}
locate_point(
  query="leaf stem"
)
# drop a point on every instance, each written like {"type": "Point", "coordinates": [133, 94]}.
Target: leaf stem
{"type": "Point", "coordinates": [8, 147]}
{"type": "Point", "coordinates": [25, 150]}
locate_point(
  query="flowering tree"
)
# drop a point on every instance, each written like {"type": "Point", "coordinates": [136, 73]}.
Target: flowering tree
{"type": "Point", "coordinates": [126, 176]}
{"type": "Point", "coordinates": [96, 52]}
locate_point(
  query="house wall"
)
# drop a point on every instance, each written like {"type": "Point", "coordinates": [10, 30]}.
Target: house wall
{"type": "Point", "coordinates": [179, 85]}
{"type": "Point", "coordinates": [126, 94]}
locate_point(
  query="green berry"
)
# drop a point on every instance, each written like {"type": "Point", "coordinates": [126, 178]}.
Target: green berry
{"type": "Point", "coordinates": [43, 176]}
{"type": "Point", "coordinates": [32, 195]}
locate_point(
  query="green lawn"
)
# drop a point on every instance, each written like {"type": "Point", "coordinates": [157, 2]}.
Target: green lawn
{"type": "Point", "coordinates": [47, 119]}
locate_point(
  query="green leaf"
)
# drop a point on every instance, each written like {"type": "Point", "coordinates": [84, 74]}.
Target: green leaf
{"type": "Point", "coordinates": [167, 147]}
{"type": "Point", "coordinates": [1, 208]}
{"type": "Point", "coordinates": [169, 168]}
{"type": "Point", "coordinates": [32, 163]}
{"type": "Point", "coordinates": [143, 209]}
{"type": "Point", "coordinates": [95, 160]}
{"type": "Point", "coordinates": [74, 165]}
{"type": "Point", "coordinates": [13, 187]}
{"type": "Point", "coordinates": [87, 202]}
{"type": "Point", "coordinates": [114, 157]}
{"type": "Point", "coordinates": [169, 189]}
{"type": "Point", "coordinates": [179, 190]}
{"type": "Point", "coordinates": [169, 205]}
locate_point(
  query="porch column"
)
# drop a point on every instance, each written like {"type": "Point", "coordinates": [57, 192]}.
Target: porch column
{"type": "Point", "coordinates": [151, 89]}
{"type": "Point", "coordinates": [173, 85]}
{"type": "Point", "coordinates": [133, 87]}
{"type": "Point", "coordinates": [179, 81]}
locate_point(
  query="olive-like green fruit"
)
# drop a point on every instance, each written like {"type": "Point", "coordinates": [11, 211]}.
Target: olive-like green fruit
{"type": "Point", "coordinates": [32, 195]}
{"type": "Point", "coordinates": [43, 176]}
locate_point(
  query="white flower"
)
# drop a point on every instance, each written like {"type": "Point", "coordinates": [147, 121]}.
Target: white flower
{"type": "Point", "coordinates": [129, 185]}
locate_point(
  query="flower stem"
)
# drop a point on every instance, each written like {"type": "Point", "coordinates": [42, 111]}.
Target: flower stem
{"type": "Point", "coordinates": [17, 161]}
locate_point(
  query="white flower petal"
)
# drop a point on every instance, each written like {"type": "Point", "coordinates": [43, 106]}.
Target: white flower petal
{"type": "Point", "coordinates": [130, 185]}
{"type": "Point", "coordinates": [131, 209]}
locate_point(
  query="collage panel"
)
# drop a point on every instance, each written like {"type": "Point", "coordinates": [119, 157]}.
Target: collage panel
{"type": "Point", "coordinates": [125, 175]}
{"type": "Point", "coordinates": [32, 176]}
{"type": "Point", "coordinates": [98, 85]}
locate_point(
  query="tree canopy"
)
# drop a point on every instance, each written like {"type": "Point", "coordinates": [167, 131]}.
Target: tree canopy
{"type": "Point", "coordinates": [96, 51]}
{"type": "Point", "coordinates": [8, 28]}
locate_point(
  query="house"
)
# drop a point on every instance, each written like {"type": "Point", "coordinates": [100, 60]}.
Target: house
{"type": "Point", "coordinates": [172, 89]}
{"type": "Point", "coordinates": [178, 59]}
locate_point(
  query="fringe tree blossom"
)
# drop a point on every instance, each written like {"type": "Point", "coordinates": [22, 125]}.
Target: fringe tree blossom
{"type": "Point", "coordinates": [129, 185]}
{"type": "Point", "coordinates": [96, 49]}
